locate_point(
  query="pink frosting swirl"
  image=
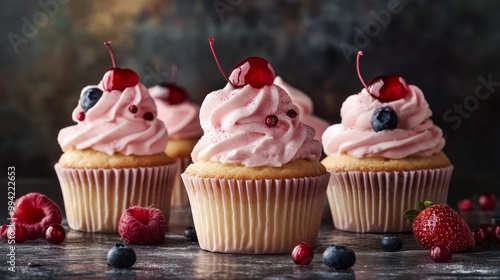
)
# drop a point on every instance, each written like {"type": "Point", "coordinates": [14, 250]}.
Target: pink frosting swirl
{"type": "Point", "coordinates": [305, 105]}
{"type": "Point", "coordinates": [235, 130]}
{"type": "Point", "coordinates": [110, 126]}
{"type": "Point", "coordinates": [182, 120]}
{"type": "Point", "coordinates": [415, 135]}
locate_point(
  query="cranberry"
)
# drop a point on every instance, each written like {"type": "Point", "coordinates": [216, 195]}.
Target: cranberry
{"type": "Point", "coordinates": [302, 254]}
{"type": "Point", "coordinates": [55, 234]}
{"type": "Point", "coordinates": [495, 234]}
{"type": "Point", "coordinates": [487, 201]}
{"type": "Point", "coordinates": [176, 94]}
{"type": "Point", "coordinates": [148, 116]}
{"type": "Point", "coordinates": [441, 253]}
{"type": "Point", "coordinates": [466, 204]}
{"type": "Point", "coordinates": [254, 71]}
{"type": "Point", "coordinates": [384, 88]}
{"type": "Point", "coordinates": [479, 235]}
{"type": "Point", "coordinates": [271, 120]}
{"type": "Point", "coordinates": [117, 78]}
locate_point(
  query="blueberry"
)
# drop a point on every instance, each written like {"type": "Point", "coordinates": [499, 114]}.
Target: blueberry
{"type": "Point", "coordinates": [90, 98]}
{"type": "Point", "coordinates": [391, 243]}
{"type": "Point", "coordinates": [384, 118]}
{"type": "Point", "coordinates": [495, 220]}
{"type": "Point", "coordinates": [121, 256]}
{"type": "Point", "coordinates": [339, 257]}
{"type": "Point", "coordinates": [190, 234]}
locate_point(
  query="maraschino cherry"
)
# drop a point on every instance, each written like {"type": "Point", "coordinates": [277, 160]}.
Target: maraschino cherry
{"type": "Point", "coordinates": [254, 71]}
{"type": "Point", "coordinates": [176, 94]}
{"type": "Point", "coordinates": [384, 88]}
{"type": "Point", "coordinates": [117, 78]}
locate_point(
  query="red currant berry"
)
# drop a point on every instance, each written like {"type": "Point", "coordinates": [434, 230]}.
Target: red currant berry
{"type": "Point", "coordinates": [291, 113]}
{"type": "Point", "coordinates": [148, 116]}
{"type": "Point", "coordinates": [441, 253]}
{"type": "Point", "coordinates": [479, 235]}
{"type": "Point", "coordinates": [271, 121]}
{"type": "Point", "coordinates": [117, 78]}
{"type": "Point", "coordinates": [18, 233]}
{"type": "Point", "coordinates": [384, 88]}
{"type": "Point", "coordinates": [495, 234]}
{"type": "Point", "coordinates": [3, 231]}
{"type": "Point", "coordinates": [254, 71]}
{"type": "Point", "coordinates": [176, 94]}
{"type": "Point", "coordinates": [487, 201]}
{"type": "Point", "coordinates": [302, 254]}
{"type": "Point", "coordinates": [487, 228]}
{"type": "Point", "coordinates": [466, 204]}
{"type": "Point", "coordinates": [81, 116]}
{"type": "Point", "coordinates": [55, 234]}
{"type": "Point", "coordinates": [133, 109]}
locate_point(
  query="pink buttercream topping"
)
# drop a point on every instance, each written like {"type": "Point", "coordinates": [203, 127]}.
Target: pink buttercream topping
{"type": "Point", "coordinates": [182, 120]}
{"type": "Point", "coordinates": [415, 135]}
{"type": "Point", "coordinates": [306, 108]}
{"type": "Point", "coordinates": [235, 130]}
{"type": "Point", "coordinates": [110, 126]}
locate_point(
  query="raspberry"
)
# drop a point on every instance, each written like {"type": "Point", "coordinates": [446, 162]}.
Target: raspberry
{"type": "Point", "coordinates": [140, 225]}
{"type": "Point", "coordinates": [3, 231]}
{"type": "Point", "coordinates": [35, 211]}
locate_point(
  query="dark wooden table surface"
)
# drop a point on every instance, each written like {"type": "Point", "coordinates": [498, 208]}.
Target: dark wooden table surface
{"type": "Point", "coordinates": [83, 256]}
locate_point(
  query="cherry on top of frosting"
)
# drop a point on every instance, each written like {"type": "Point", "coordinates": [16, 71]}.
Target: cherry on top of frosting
{"type": "Point", "coordinates": [254, 71]}
{"type": "Point", "coordinates": [118, 78]}
{"type": "Point", "coordinates": [384, 88]}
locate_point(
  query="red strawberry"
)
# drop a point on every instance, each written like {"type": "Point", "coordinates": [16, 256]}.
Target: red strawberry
{"type": "Point", "coordinates": [140, 225]}
{"type": "Point", "coordinates": [35, 211]}
{"type": "Point", "coordinates": [440, 225]}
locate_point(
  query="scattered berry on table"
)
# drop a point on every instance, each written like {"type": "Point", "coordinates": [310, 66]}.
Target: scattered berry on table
{"type": "Point", "coordinates": [302, 253]}
{"type": "Point", "coordinates": [339, 257]}
{"type": "Point", "coordinates": [35, 211]}
{"type": "Point", "coordinates": [141, 225]}
{"type": "Point", "coordinates": [479, 235]}
{"type": "Point", "coordinates": [190, 234]}
{"type": "Point", "coordinates": [121, 256]}
{"type": "Point", "coordinates": [391, 243]}
{"type": "Point", "coordinates": [441, 254]}
{"type": "Point", "coordinates": [465, 204]}
{"type": "Point", "coordinates": [487, 201]}
{"type": "Point", "coordinates": [440, 225]}
{"type": "Point", "coordinates": [495, 234]}
{"type": "Point", "coordinates": [55, 234]}
{"type": "Point", "coordinates": [487, 228]}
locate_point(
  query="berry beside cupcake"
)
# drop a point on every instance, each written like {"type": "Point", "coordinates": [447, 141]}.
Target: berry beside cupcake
{"type": "Point", "coordinates": [113, 158]}
{"type": "Point", "coordinates": [256, 185]}
{"type": "Point", "coordinates": [384, 157]}
{"type": "Point", "coordinates": [181, 118]}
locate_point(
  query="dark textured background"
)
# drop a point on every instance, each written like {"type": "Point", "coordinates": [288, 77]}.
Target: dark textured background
{"type": "Point", "coordinates": [49, 52]}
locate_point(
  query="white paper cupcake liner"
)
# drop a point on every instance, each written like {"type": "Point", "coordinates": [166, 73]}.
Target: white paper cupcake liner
{"type": "Point", "coordinates": [256, 216]}
{"type": "Point", "coordinates": [94, 199]}
{"type": "Point", "coordinates": [179, 194]}
{"type": "Point", "coordinates": [375, 201]}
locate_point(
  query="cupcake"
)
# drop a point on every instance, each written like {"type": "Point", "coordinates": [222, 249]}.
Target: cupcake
{"type": "Point", "coordinates": [181, 117]}
{"type": "Point", "coordinates": [305, 105]}
{"type": "Point", "coordinates": [384, 157]}
{"type": "Point", "coordinates": [256, 185]}
{"type": "Point", "coordinates": [113, 157]}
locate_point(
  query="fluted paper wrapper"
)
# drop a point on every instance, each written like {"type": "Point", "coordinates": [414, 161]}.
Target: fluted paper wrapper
{"type": "Point", "coordinates": [180, 212]}
{"type": "Point", "coordinates": [375, 201]}
{"type": "Point", "coordinates": [94, 199]}
{"type": "Point", "coordinates": [256, 216]}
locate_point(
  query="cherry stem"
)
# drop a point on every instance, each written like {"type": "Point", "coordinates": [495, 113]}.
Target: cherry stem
{"type": "Point", "coordinates": [360, 54]}
{"type": "Point", "coordinates": [173, 73]}
{"type": "Point", "coordinates": [108, 45]}
{"type": "Point", "coordinates": [211, 41]}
